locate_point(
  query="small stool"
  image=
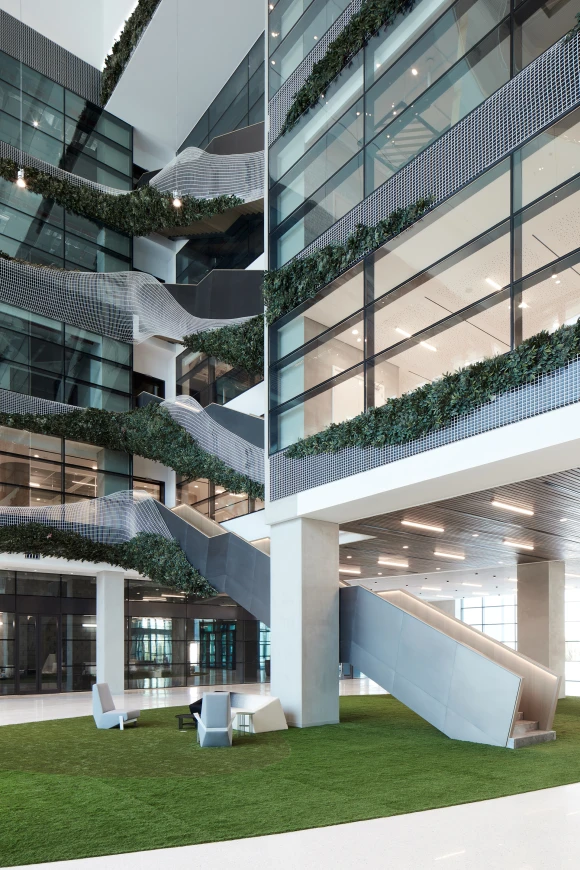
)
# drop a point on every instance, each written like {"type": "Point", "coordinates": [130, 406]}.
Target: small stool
{"type": "Point", "coordinates": [181, 721]}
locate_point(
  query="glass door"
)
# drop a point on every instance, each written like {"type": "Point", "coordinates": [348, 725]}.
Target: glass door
{"type": "Point", "coordinates": [38, 665]}
{"type": "Point", "coordinates": [27, 664]}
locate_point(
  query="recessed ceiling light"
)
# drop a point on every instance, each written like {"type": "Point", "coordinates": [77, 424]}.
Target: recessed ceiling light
{"type": "Point", "coordinates": [35, 485]}
{"type": "Point", "coordinates": [406, 547]}
{"type": "Point", "coordinates": [512, 507]}
{"type": "Point", "coordinates": [393, 563]}
{"type": "Point", "coordinates": [564, 520]}
{"type": "Point", "coordinates": [432, 588]}
{"type": "Point", "coordinates": [493, 283]}
{"type": "Point", "coordinates": [428, 346]}
{"type": "Point", "coordinates": [349, 570]}
{"type": "Point", "coordinates": [518, 545]}
{"type": "Point", "coordinates": [475, 585]}
{"type": "Point", "coordinates": [349, 557]}
{"type": "Point", "coordinates": [523, 305]}
{"type": "Point", "coordinates": [402, 332]}
{"type": "Point", "coordinates": [512, 579]}
{"type": "Point", "coordinates": [414, 72]}
{"type": "Point", "coordinates": [449, 555]}
{"type": "Point", "coordinates": [475, 536]}
{"type": "Point", "coordinates": [421, 526]}
{"type": "Point", "coordinates": [355, 332]}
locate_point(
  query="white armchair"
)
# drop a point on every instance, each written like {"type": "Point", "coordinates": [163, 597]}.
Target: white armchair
{"type": "Point", "coordinates": [214, 725]}
{"type": "Point", "coordinates": [104, 712]}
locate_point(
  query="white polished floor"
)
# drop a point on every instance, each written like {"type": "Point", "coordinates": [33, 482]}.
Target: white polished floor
{"type": "Point", "coordinates": [17, 709]}
{"type": "Point", "coordinates": [534, 831]}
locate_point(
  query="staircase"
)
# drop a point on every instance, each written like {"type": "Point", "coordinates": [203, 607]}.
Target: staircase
{"type": "Point", "coordinates": [527, 733]}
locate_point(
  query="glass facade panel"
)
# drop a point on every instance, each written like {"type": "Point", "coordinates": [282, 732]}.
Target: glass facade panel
{"type": "Point", "coordinates": [494, 615]}
{"type": "Point", "coordinates": [445, 294]}
{"type": "Point", "coordinates": [537, 26]}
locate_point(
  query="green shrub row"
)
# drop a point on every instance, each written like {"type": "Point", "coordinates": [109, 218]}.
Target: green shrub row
{"type": "Point", "coordinates": [150, 432]}
{"type": "Point", "coordinates": [154, 556]}
{"type": "Point", "coordinates": [434, 405]}
{"type": "Point", "coordinates": [121, 52]}
{"type": "Point", "coordinates": [136, 213]}
{"type": "Point", "coordinates": [374, 15]}
{"type": "Point", "coordinates": [301, 279]}
{"type": "Point", "coordinates": [241, 345]}
{"type": "Point", "coordinates": [575, 30]}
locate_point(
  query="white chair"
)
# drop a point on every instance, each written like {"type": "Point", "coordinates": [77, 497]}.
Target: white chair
{"type": "Point", "coordinates": [104, 712]}
{"type": "Point", "coordinates": [214, 726]}
{"type": "Point", "coordinates": [264, 711]}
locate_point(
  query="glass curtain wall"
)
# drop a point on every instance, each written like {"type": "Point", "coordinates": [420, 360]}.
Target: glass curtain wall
{"type": "Point", "coordinates": [240, 103]}
{"type": "Point", "coordinates": [52, 360]}
{"type": "Point", "coordinates": [209, 381]}
{"type": "Point", "coordinates": [64, 130]}
{"type": "Point", "coordinates": [396, 97]}
{"type": "Point", "coordinates": [494, 615]}
{"type": "Point", "coordinates": [214, 501]}
{"type": "Point", "coordinates": [491, 266]}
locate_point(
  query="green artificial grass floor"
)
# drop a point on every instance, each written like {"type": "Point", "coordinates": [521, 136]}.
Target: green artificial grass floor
{"type": "Point", "coordinates": [70, 791]}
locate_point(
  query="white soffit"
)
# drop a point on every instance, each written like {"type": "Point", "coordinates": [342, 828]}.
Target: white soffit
{"type": "Point", "coordinates": [185, 57]}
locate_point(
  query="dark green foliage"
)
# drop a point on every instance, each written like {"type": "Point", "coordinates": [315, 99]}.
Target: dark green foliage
{"type": "Point", "coordinates": [301, 279]}
{"type": "Point", "coordinates": [373, 15]}
{"type": "Point", "coordinates": [150, 432]}
{"type": "Point", "coordinates": [137, 213]}
{"type": "Point", "coordinates": [158, 558]}
{"type": "Point", "coordinates": [119, 56]}
{"type": "Point", "coordinates": [575, 30]}
{"type": "Point", "coordinates": [240, 345]}
{"type": "Point", "coordinates": [433, 406]}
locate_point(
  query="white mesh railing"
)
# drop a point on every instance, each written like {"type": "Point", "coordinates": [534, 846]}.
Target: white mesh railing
{"type": "Point", "coordinates": [236, 452]}
{"type": "Point", "coordinates": [192, 173]}
{"type": "Point", "coordinates": [111, 519]}
{"type": "Point", "coordinates": [128, 306]}
{"type": "Point", "coordinates": [196, 173]}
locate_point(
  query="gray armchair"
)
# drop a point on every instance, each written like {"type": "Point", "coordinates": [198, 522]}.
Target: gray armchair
{"type": "Point", "coordinates": [104, 712]}
{"type": "Point", "coordinates": [214, 725]}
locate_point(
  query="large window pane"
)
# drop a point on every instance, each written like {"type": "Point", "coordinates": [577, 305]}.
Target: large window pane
{"type": "Point", "coordinates": [470, 274]}
{"type": "Point", "coordinates": [465, 86]}
{"type": "Point", "coordinates": [480, 333]}
{"type": "Point", "coordinates": [340, 299]}
{"type": "Point", "coordinates": [341, 349]}
{"type": "Point", "coordinates": [550, 299]}
{"type": "Point", "coordinates": [481, 205]}
{"type": "Point", "coordinates": [538, 25]}
{"type": "Point", "coordinates": [547, 161]}
{"type": "Point", "coordinates": [329, 154]}
{"type": "Point", "coordinates": [443, 44]}
{"type": "Point", "coordinates": [548, 229]}
{"type": "Point", "coordinates": [340, 401]}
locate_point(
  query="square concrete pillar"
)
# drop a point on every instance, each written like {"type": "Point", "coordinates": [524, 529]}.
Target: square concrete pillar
{"type": "Point", "coordinates": [541, 619]}
{"type": "Point", "coordinates": [304, 620]}
{"type": "Point", "coordinates": [111, 630]}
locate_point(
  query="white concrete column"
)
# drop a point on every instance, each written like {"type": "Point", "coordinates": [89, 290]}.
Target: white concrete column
{"type": "Point", "coordinates": [111, 630]}
{"type": "Point", "coordinates": [304, 620]}
{"type": "Point", "coordinates": [541, 620]}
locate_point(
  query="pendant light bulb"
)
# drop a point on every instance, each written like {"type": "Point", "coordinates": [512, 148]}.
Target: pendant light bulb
{"type": "Point", "coordinates": [20, 180]}
{"type": "Point", "coordinates": [177, 199]}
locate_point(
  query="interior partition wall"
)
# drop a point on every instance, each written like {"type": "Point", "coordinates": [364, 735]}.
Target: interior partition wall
{"type": "Point", "coordinates": [395, 98]}
{"type": "Point", "coordinates": [491, 266]}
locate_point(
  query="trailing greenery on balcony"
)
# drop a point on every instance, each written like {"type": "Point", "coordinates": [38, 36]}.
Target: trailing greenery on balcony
{"type": "Point", "coordinates": [121, 52]}
{"type": "Point", "coordinates": [374, 15]}
{"type": "Point", "coordinates": [136, 213]}
{"type": "Point", "coordinates": [154, 556]}
{"type": "Point", "coordinates": [240, 345]}
{"type": "Point", "coordinates": [301, 279]}
{"type": "Point", "coordinates": [150, 432]}
{"type": "Point", "coordinates": [434, 405]}
{"type": "Point", "coordinates": [575, 30]}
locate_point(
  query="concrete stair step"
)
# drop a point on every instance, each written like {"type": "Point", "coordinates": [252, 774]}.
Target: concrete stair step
{"type": "Point", "coordinates": [519, 716]}
{"type": "Point", "coordinates": [523, 726]}
{"type": "Point", "coordinates": [530, 738]}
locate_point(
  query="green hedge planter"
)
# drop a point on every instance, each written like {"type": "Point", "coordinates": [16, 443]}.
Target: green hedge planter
{"type": "Point", "coordinates": [136, 213]}
{"type": "Point", "coordinates": [240, 345]}
{"type": "Point", "coordinates": [433, 406]}
{"type": "Point", "coordinates": [120, 54]}
{"type": "Point", "coordinates": [373, 15]}
{"type": "Point", "coordinates": [158, 558]}
{"type": "Point", "coordinates": [150, 432]}
{"type": "Point", "coordinates": [301, 279]}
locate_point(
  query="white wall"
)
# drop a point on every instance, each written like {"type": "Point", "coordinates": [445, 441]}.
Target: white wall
{"type": "Point", "coordinates": [185, 57]}
{"type": "Point", "coordinates": [87, 28]}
